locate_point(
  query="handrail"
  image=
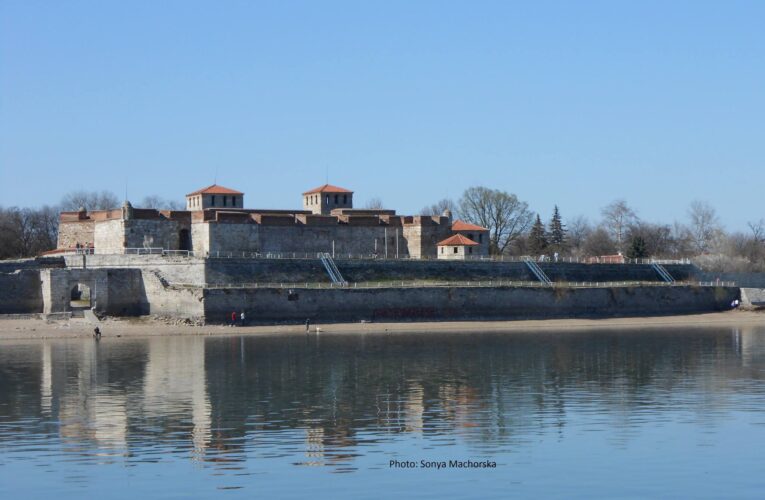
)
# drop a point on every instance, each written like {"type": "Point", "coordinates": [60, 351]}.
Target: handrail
{"type": "Point", "coordinates": [474, 284]}
{"type": "Point", "coordinates": [538, 272]}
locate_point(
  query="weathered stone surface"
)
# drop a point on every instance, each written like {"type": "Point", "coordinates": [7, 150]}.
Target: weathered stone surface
{"type": "Point", "coordinates": [459, 303]}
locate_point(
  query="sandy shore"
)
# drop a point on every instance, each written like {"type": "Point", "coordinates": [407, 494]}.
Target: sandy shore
{"type": "Point", "coordinates": [144, 327]}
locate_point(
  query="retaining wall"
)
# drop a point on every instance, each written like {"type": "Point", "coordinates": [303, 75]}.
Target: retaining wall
{"type": "Point", "coordinates": [240, 271]}
{"type": "Point", "coordinates": [20, 292]}
{"type": "Point", "coordinates": [277, 305]}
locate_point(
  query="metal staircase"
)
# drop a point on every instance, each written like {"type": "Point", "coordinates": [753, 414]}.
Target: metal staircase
{"type": "Point", "coordinates": [663, 273]}
{"type": "Point", "coordinates": [332, 270]}
{"type": "Point", "coordinates": [537, 271]}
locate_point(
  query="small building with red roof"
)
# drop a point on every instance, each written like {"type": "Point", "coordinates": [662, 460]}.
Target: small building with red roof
{"type": "Point", "coordinates": [214, 196]}
{"type": "Point", "coordinates": [323, 199]}
{"type": "Point", "coordinates": [456, 247]}
{"type": "Point", "coordinates": [475, 233]}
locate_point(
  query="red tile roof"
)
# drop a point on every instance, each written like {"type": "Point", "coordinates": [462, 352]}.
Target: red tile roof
{"type": "Point", "coordinates": [457, 240]}
{"type": "Point", "coordinates": [459, 225]}
{"type": "Point", "coordinates": [215, 189]}
{"type": "Point", "coordinates": [328, 188]}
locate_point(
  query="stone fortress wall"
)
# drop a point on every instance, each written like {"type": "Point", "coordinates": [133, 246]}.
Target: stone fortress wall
{"type": "Point", "coordinates": [331, 227]}
{"type": "Point", "coordinates": [272, 290]}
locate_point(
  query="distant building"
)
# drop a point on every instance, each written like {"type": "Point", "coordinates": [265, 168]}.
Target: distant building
{"type": "Point", "coordinates": [456, 247]}
{"type": "Point", "coordinates": [215, 221]}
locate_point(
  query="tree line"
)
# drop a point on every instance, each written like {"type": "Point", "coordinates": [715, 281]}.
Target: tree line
{"type": "Point", "coordinates": [517, 231]}
{"type": "Point", "coordinates": [514, 229]}
{"type": "Point", "coordinates": [26, 232]}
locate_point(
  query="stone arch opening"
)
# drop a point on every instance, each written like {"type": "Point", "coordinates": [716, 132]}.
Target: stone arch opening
{"type": "Point", "coordinates": [80, 296]}
{"type": "Point", "coordinates": [184, 240]}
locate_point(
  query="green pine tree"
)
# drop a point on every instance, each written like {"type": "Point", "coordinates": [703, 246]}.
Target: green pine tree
{"type": "Point", "coordinates": [538, 238]}
{"type": "Point", "coordinates": [557, 233]}
{"type": "Point", "coordinates": [638, 248]}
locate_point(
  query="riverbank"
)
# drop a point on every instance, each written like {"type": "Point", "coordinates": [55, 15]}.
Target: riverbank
{"type": "Point", "coordinates": [31, 328]}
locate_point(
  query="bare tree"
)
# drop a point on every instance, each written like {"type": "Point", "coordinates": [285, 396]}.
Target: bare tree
{"type": "Point", "coordinates": [506, 217]}
{"type": "Point", "coordinates": [578, 229]}
{"type": "Point", "coordinates": [155, 201]}
{"type": "Point", "coordinates": [89, 200]}
{"type": "Point", "coordinates": [704, 225]}
{"type": "Point", "coordinates": [25, 232]}
{"type": "Point", "coordinates": [374, 204]}
{"type": "Point", "coordinates": [617, 217]}
{"type": "Point", "coordinates": [599, 242]}
{"type": "Point", "coordinates": [657, 238]}
{"type": "Point", "coordinates": [758, 230]}
{"type": "Point", "coordinates": [440, 207]}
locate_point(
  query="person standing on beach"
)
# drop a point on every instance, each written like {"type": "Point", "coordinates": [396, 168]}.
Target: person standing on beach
{"type": "Point", "coordinates": [242, 317]}
{"type": "Point", "coordinates": [233, 318]}
{"type": "Point", "coordinates": [307, 325]}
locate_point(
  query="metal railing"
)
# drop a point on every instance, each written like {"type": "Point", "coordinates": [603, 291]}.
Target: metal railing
{"type": "Point", "coordinates": [537, 271]}
{"type": "Point", "coordinates": [481, 283]}
{"type": "Point", "coordinates": [663, 273]}
{"type": "Point", "coordinates": [372, 256]}
{"type": "Point", "coordinates": [332, 270]}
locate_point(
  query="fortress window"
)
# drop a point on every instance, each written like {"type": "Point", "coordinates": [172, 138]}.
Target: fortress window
{"type": "Point", "coordinates": [336, 199]}
{"type": "Point", "coordinates": [442, 250]}
{"type": "Point", "coordinates": [480, 237]}
{"type": "Point", "coordinates": [470, 236]}
{"type": "Point", "coordinates": [212, 202]}
{"type": "Point", "coordinates": [455, 249]}
{"type": "Point", "coordinates": [345, 199]}
{"type": "Point", "coordinates": [327, 200]}
{"type": "Point", "coordinates": [225, 201]}
{"type": "Point", "coordinates": [470, 249]}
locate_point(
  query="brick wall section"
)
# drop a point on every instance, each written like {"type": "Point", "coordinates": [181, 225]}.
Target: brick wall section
{"type": "Point", "coordinates": [454, 303]}
{"type": "Point", "coordinates": [71, 233]}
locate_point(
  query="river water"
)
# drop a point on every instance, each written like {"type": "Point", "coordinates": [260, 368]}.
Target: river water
{"type": "Point", "coordinates": [669, 413]}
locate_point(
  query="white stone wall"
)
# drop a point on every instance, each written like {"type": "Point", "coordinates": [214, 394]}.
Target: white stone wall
{"type": "Point", "coordinates": [109, 236]}
{"type": "Point", "coordinates": [200, 238]}
{"type": "Point", "coordinates": [455, 252]}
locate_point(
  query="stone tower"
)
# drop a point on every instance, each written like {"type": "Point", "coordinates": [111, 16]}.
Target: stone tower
{"type": "Point", "coordinates": [214, 196]}
{"type": "Point", "coordinates": [323, 199]}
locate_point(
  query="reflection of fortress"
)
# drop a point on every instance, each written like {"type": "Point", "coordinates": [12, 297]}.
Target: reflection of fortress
{"type": "Point", "coordinates": [215, 220]}
{"type": "Point", "coordinates": [218, 398]}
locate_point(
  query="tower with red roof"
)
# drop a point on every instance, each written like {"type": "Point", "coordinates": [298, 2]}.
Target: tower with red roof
{"type": "Point", "coordinates": [323, 199]}
{"type": "Point", "coordinates": [214, 196]}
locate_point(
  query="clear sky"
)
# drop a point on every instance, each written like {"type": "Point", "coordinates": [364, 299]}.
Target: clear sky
{"type": "Point", "coordinates": [575, 103]}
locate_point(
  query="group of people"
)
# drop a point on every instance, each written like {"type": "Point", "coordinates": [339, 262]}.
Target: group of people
{"type": "Point", "coordinates": [237, 319]}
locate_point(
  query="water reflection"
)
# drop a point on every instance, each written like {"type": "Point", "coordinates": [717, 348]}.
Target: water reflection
{"type": "Point", "coordinates": [329, 401]}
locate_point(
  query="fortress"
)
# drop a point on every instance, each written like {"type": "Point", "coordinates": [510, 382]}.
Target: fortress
{"type": "Point", "coordinates": [215, 222]}
{"type": "Point", "coordinates": [328, 262]}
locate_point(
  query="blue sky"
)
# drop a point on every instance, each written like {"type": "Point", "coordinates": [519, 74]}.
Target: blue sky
{"type": "Point", "coordinates": [574, 103]}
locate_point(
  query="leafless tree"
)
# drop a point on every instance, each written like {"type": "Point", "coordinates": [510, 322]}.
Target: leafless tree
{"type": "Point", "coordinates": [657, 238]}
{"type": "Point", "coordinates": [374, 204]}
{"type": "Point", "coordinates": [617, 217]}
{"type": "Point", "coordinates": [155, 201]}
{"type": "Point", "coordinates": [578, 228]}
{"type": "Point", "coordinates": [25, 232]}
{"type": "Point", "coordinates": [439, 207]}
{"type": "Point", "coordinates": [89, 200]}
{"type": "Point", "coordinates": [758, 230]}
{"type": "Point", "coordinates": [599, 242]}
{"type": "Point", "coordinates": [704, 225]}
{"type": "Point", "coordinates": [507, 217]}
